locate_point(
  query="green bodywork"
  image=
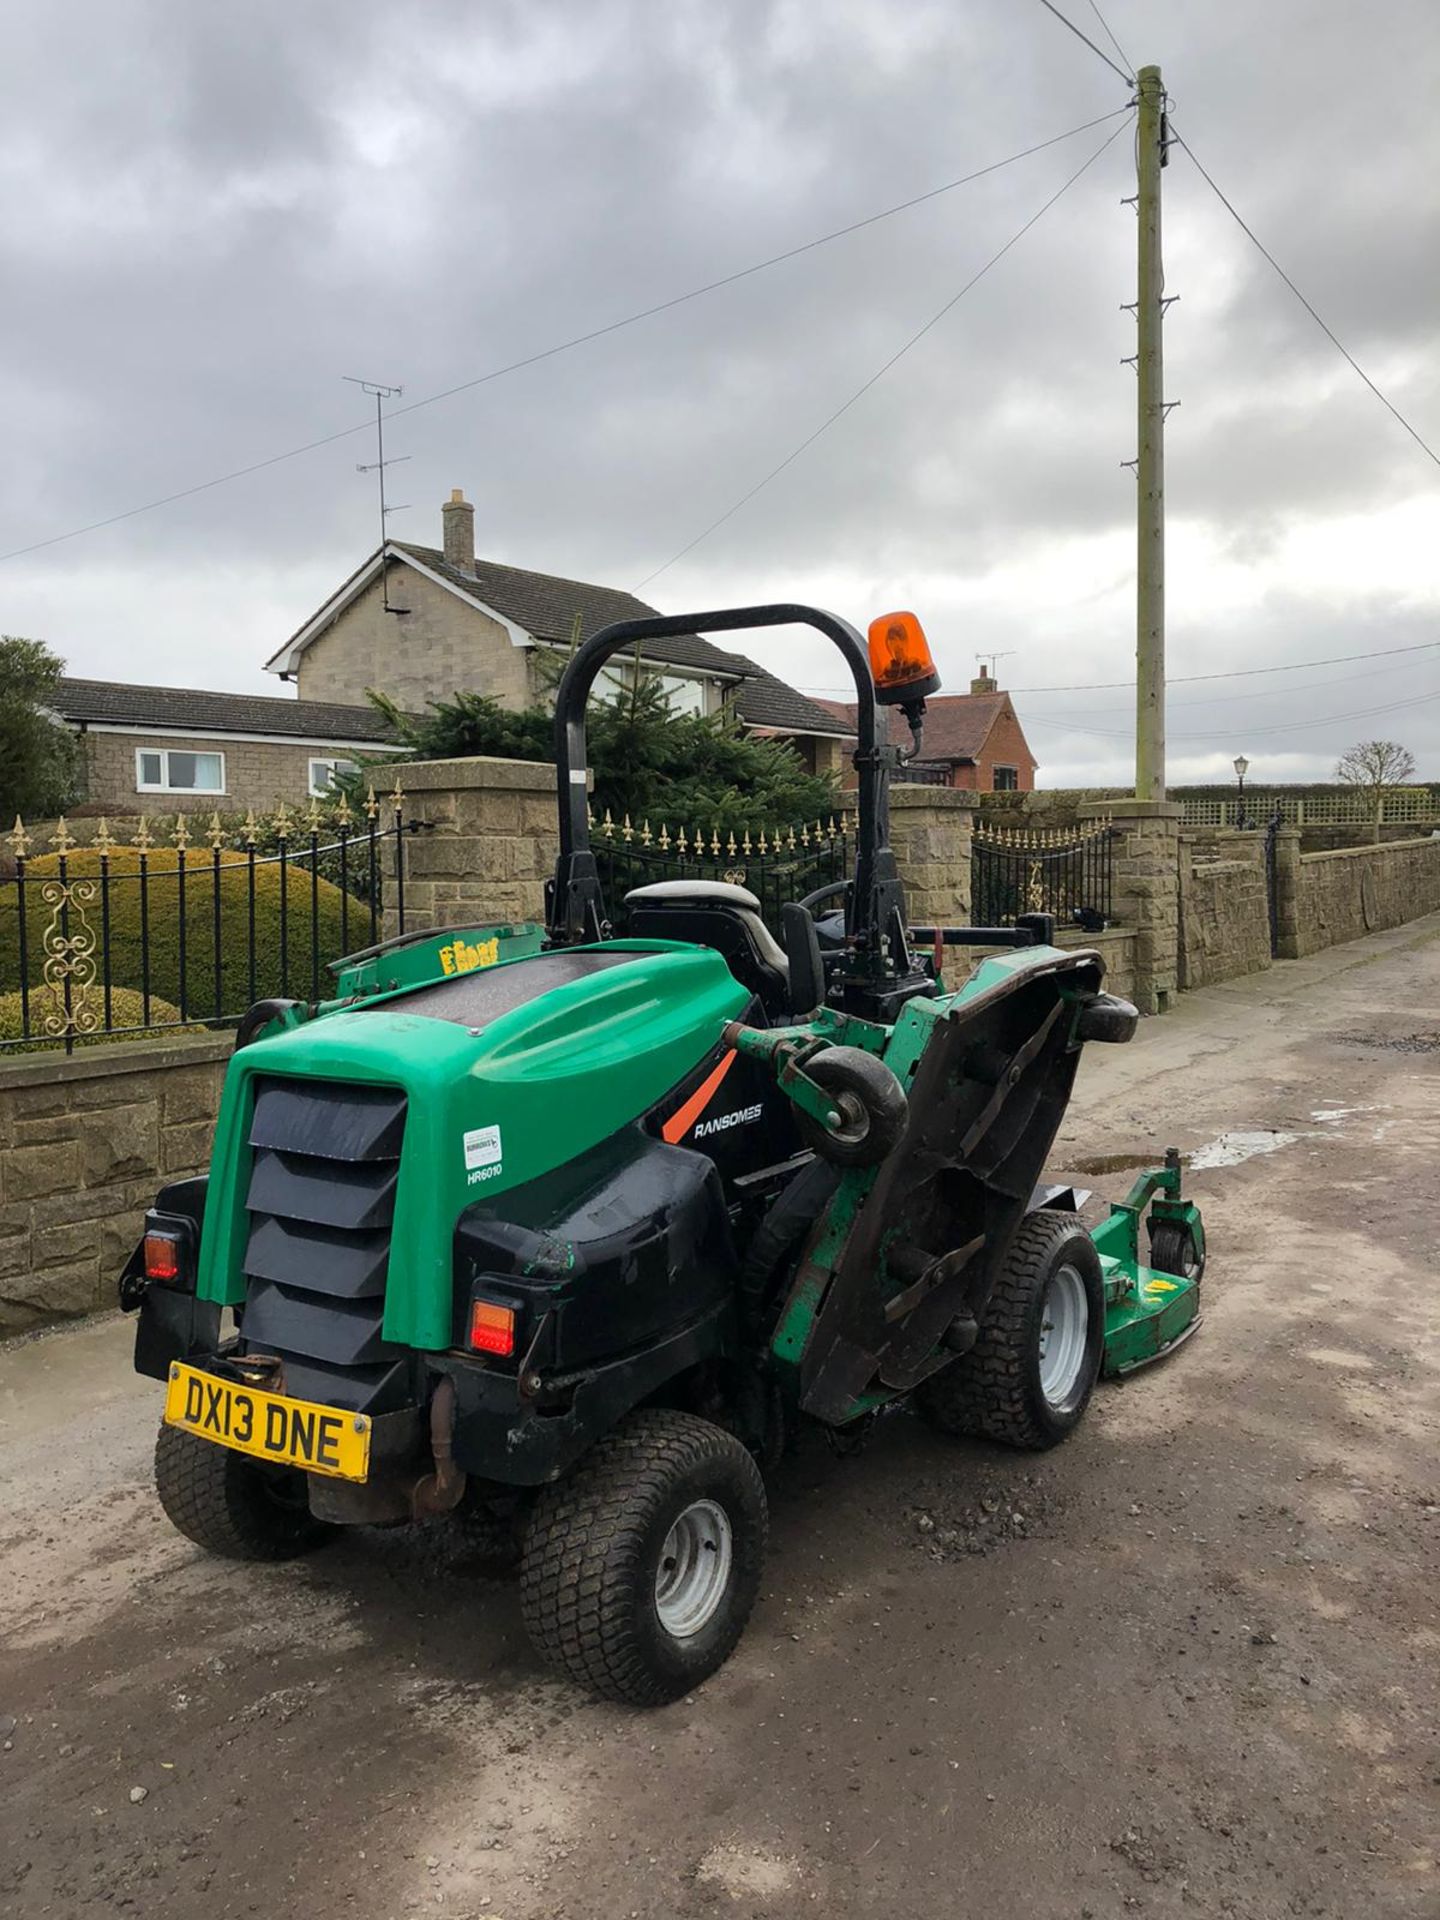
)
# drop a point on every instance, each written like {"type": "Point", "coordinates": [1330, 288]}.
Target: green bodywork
{"type": "Point", "coordinates": [540, 1085]}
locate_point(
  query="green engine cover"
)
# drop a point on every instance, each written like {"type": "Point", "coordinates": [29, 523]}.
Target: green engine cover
{"type": "Point", "coordinates": [532, 1090]}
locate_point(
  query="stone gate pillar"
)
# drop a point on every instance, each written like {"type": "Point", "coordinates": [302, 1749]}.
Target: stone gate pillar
{"type": "Point", "coordinates": [930, 832]}
{"type": "Point", "coordinates": [488, 844]}
{"type": "Point", "coordinates": [1146, 892]}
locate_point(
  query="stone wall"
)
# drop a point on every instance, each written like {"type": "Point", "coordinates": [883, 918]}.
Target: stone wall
{"type": "Point", "coordinates": [1340, 896]}
{"type": "Point", "coordinates": [1224, 908]}
{"type": "Point", "coordinates": [1116, 947]}
{"type": "Point", "coordinates": [84, 1144]}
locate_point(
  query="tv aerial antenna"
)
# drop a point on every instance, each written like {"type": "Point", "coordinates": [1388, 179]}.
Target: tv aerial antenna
{"type": "Point", "coordinates": [377, 466]}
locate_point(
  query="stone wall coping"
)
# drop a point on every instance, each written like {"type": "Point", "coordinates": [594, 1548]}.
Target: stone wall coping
{"type": "Point", "coordinates": [1227, 866]}
{"type": "Point", "coordinates": [946, 799]}
{"type": "Point", "coordinates": [99, 1063]}
{"type": "Point", "coordinates": [467, 773]}
{"type": "Point", "coordinates": [1368, 853]}
{"type": "Point", "coordinates": [1131, 810]}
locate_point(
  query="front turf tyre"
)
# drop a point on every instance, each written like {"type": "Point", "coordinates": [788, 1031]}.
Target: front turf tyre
{"type": "Point", "coordinates": [230, 1505]}
{"type": "Point", "coordinates": [1028, 1379]}
{"type": "Point", "coordinates": [642, 1566]}
{"type": "Point", "coordinates": [1173, 1250]}
{"type": "Point", "coordinates": [868, 1098]}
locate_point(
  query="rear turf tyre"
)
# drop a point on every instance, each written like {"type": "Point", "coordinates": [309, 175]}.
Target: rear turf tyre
{"type": "Point", "coordinates": [1173, 1250]}
{"type": "Point", "coordinates": [1028, 1379]}
{"type": "Point", "coordinates": [230, 1505]}
{"type": "Point", "coordinates": [641, 1567]}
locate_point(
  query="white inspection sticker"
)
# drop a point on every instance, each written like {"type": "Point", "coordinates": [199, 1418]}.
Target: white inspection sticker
{"type": "Point", "coordinates": [482, 1148]}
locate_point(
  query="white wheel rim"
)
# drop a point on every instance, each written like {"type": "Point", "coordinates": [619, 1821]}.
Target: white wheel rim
{"type": "Point", "coordinates": [1064, 1330]}
{"type": "Point", "coordinates": [694, 1569]}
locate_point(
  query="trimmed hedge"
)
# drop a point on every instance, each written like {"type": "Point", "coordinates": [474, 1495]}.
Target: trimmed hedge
{"type": "Point", "coordinates": [126, 1010]}
{"type": "Point", "coordinates": [162, 918]}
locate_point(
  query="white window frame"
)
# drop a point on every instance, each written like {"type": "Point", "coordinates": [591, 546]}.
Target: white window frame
{"type": "Point", "coordinates": [995, 786]}
{"type": "Point", "coordinates": [332, 761]}
{"type": "Point", "coordinates": [163, 785]}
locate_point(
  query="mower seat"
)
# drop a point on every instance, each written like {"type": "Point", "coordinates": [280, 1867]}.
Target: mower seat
{"type": "Point", "coordinates": [713, 913]}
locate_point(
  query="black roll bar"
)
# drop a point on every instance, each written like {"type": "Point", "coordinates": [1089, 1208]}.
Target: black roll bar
{"type": "Point", "coordinates": [875, 915]}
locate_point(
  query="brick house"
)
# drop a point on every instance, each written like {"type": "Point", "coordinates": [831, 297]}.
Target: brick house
{"type": "Point", "coordinates": [183, 750]}
{"type": "Point", "coordinates": [418, 623]}
{"type": "Point", "coordinates": [974, 739]}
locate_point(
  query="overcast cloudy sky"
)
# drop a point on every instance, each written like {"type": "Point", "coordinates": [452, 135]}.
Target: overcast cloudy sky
{"type": "Point", "coordinates": [210, 215]}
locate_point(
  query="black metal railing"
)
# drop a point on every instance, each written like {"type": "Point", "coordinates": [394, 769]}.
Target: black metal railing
{"type": "Point", "coordinates": [190, 928]}
{"type": "Point", "coordinates": [1042, 870]}
{"type": "Point", "coordinates": [776, 865]}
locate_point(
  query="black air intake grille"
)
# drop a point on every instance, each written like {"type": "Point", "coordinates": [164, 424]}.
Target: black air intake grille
{"type": "Point", "coordinates": [321, 1201]}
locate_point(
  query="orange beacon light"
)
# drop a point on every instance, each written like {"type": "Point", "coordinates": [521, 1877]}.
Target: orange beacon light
{"type": "Point", "coordinates": [900, 662]}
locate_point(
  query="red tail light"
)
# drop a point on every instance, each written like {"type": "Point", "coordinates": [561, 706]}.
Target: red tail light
{"type": "Point", "coordinates": [492, 1327]}
{"type": "Point", "coordinates": [162, 1256]}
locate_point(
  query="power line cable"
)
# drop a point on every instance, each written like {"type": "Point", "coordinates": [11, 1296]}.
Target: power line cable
{"type": "Point", "coordinates": [1105, 24]}
{"type": "Point", "coordinates": [1099, 52]}
{"type": "Point", "coordinates": [880, 372]}
{"type": "Point", "coordinates": [1228, 733]}
{"type": "Point", "coordinates": [1251, 694]}
{"type": "Point", "coordinates": [565, 346]}
{"type": "Point", "coordinates": [1184, 679]}
{"type": "Point", "coordinates": [1345, 352]}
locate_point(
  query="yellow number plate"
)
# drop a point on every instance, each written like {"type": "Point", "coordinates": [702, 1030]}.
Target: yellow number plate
{"type": "Point", "coordinates": [271, 1426]}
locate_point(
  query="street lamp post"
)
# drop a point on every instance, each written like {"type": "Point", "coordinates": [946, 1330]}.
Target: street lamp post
{"type": "Point", "coordinates": [1242, 767]}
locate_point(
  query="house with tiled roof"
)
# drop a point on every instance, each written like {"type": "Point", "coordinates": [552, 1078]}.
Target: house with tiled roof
{"type": "Point", "coordinates": [189, 749]}
{"type": "Point", "coordinates": [418, 623]}
{"type": "Point", "coordinates": [972, 740]}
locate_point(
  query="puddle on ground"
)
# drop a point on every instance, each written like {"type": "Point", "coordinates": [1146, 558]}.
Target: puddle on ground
{"type": "Point", "coordinates": [1225, 1150]}
{"type": "Point", "coordinates": [1229, 1149]}
{"type": "Point", "coordinates": [1116, 1162]}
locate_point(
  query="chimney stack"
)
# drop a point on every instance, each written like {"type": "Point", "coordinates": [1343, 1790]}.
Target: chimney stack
{"type": "Point", "coordinates": [984, 681]}
{"type": "Point", "coordinates": [458, 517]}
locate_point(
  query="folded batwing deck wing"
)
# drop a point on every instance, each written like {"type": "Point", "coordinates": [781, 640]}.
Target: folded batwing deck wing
{"type": "Point", "coordinates": [926, 1241]}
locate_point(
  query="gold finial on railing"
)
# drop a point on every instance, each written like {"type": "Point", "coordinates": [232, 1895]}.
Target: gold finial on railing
{"type": "Point", "coordinates": [730, 846]}
{"type": "Point", "coordinates": [249, 828]}
{"type": "Point", "coordinates": [680, 843]}
{"type": "Point", "coordinates": [216, 835]}
{"type": "Point", "coordinates": [343, 816]}
{"type": "Point", "coordinates": [790, 842]}
{"type": "Point", "coordinates": [715, 838]}
{"type": "Point", "coordinates": [62, 840]}
{"type": "Point", "coordinates": [143, 842]}
{"type": "Point", "coordinates": [589, 816]}
{"type": "Point", "coordinates": [372, 805]}
{"type": "Point", "coordinates": [644, 833]}
{"type": "Point", "coordinates": [313, 818]}
{"type": "Point", "coordinates": [102, 842]}
{"type": "Point", "coordinates": [397, 794]}
{"type": "Point", "coordinates": [18, 840]}
{"type": "Point", "coordinates": [744, 841]}
{"type": "Point", "coordinates": [627, 832]}
{"type": "Point", "coordinates": [181, 836]}
{"type": "Point", "coordinates": [761, 847]}
{"type": "Point", "coordinates": [283, 822]}
{"type": "Point", "coordinates": [833, 829]}
{"type": "Point", "coordinates": [607, 826]}
{"type": "Point", "coordinates": [664, 840]}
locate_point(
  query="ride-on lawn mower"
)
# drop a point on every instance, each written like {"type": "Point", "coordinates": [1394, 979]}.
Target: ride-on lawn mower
{"type": "Point", "coordinates": [565, 1234]}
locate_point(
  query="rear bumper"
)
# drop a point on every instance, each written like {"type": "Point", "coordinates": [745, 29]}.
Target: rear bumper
{"type": "Point", "coordinates": [499, 1435]}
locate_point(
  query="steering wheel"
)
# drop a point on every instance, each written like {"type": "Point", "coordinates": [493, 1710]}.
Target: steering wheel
{"type": "Point", "coordinates": [813, 900]}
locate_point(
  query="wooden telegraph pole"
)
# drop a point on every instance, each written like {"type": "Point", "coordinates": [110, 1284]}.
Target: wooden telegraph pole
{"type": "Point", "coordinates": [1150, 451]}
